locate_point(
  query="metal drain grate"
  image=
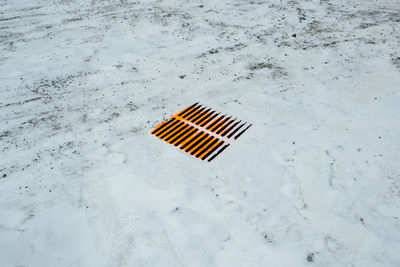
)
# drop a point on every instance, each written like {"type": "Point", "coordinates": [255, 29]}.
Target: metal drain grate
{"type": "Point", "coordinates": [201, 131]}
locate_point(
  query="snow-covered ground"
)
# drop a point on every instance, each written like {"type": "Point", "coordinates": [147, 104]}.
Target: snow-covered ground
{"type": "Point", "coordinates": [315, 181]}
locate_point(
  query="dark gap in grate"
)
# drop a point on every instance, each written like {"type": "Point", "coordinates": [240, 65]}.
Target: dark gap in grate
{"type": "Point", "coordinates": [215, 122]}
{"type": "Point", "coordinates": [237, 129]}
{"type": "Point", "coordinates": [216, 127]}
{"type": "Point", "coordinates": [207, 147]}
{"type": "Point", "coordinates": [208, 120]}
{"type": "Point", "coordinates": [200, 115]}
{"type": "Point", "coordinates": [195, 114]}
{"type": "Point", "coordinates": [226, 125]}
{"type": "Point", "coordinates": [237, 136]}
{"type": "Point", "coordinates": [212, 150]}
{"type": "Point", "coordinates": [162, 126]}
{"type": "Point", "coordinates": [166, 128]}
{"type": "Point", "coordinates": [230, 128]}
{"type": "Point", "coordinates": [191, 111]}
{"type": "Point", "coordinates": [180, 129]}
{"type": "Point", "coordinates": [176, 131]}
{"type": "Point", "coordinates": [219, 152]}
{"type": "Point", "coordinates": [182, 133]}
{"type": "Point", "coordinates": [191, 140]}
{"type": "Point", "coordinates": [197, 142]}
{"type": "Point", "coordinates": [171, 130]}
{"type": "Point", "coordinates": [186, 109]}
{"type": "Point", "coordinates": [202, 144]}
{"type": "Point", "coordinates": [185, 137]}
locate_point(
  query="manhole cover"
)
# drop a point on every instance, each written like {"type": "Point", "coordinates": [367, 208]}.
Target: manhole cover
{"type": "Point", "coordinates": [201, 131]}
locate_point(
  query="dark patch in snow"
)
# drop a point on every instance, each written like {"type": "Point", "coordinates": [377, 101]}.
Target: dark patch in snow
{"type": "Point", "coordinates": [277, 71]}
{"type": "Point", "coordinates": [259, 66]}
{"type": "Point", "coordinates": [310, 257]}
{"type": "Point", "coordinates": [396, 61]}
{"type": "Point", "coordinates": [235, 47]}
{"type": "Point", "coordinates": [267, 238]}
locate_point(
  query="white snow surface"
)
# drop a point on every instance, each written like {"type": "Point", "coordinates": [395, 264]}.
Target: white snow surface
{"type": "Point", "coordinates": [314, 182]}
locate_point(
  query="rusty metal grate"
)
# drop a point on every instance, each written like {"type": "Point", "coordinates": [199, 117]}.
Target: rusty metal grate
{"type": "Point", "coordinates": [201, 131]}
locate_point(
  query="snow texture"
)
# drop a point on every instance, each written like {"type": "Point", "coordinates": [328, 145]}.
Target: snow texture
{"type": "Point", "coordinates": [314, 182]}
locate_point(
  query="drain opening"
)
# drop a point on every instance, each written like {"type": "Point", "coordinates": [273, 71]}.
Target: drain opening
{"type": "Point", "coordinates": [200, 131]}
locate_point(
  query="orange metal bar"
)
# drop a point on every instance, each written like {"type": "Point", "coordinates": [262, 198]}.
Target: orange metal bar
{"type": "Point", "coordinates": [199, 144]}
{"type": "Point", "coordinates": [186, 109]}
{"type": "Point", "coordinates": [204, 116]}
{"type": "Point", "coordinates": [196, 136]}
{"type": "Point", "coordinates": [200, 115]}
{"type": "Point", "coordinates": [190, 133]}
{"type": "Point", "coordinates": [158, 127]}
{"type": "Point", "coordinates": [212, 123]}
{"type": "Point", "coordinates": [190, 112]}
{"type": "Point", "coordinates": [216, 126]}
{"type": "Point", "coordinates": [198, 153]}
{"type": "Point", "coordinates": [224, 126]}
{"type": "Point", "coordinates": [208, 120]}
{"type": "Point", "coordinates": [203, 155]}
{"type": "Point", "coordinates": [173, 132]}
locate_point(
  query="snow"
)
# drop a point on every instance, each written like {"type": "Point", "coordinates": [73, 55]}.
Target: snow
{"type": "Point", "coordinates": [314, 181]}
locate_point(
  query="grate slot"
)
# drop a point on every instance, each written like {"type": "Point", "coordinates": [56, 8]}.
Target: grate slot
{"type": "Point", "coordinates": [219, 124]}
{"type": "Point", "coordinates": [219, 152]}
{"type": "Point", "coordinates": [230, 128]}
{"type": "Point", "coordinates": [185, 137]}
{"type": "Point", "coordinates": [215, 122]}
{"type": "Point", "coordinates": [204, 116]}
{"type": "Point", "coordinates": [171, 130]}
{"type": "Point", "coordinates": [198, 141]}
{"type": "Point", "coordinates": [187, 109]}
{"type": "Point", "coordinates": [208, 147]}
{"type": "Point", "coordinates": [200, 115]}
{"type": "Point", "coordinates": [226, 125]}
{"type": "Point", "coordinates": [191, 139]}
{"type": "Point", "coordinates": [166, 128]}
{"type": "Point", "coordinates": [162, 125]}
{"type": "Point", "coordinates": [201, 145]}
{"type": "Point", "coordinates": [195, 114]}
{"type": "Point", "coordinates": [177, 131]}
{"type": "Point", "coordinates": [237, 136]}
{"type": "Point", "coordinates": [191, 111]}
{"type": "Point", "coordinates": [210, 119]}
{"type": "Point", "coordinates": [181, 133]}
{"type": "Point", "coordinates": [237, 129]}
{"type": "Point", "coordinates": [212, 150]}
